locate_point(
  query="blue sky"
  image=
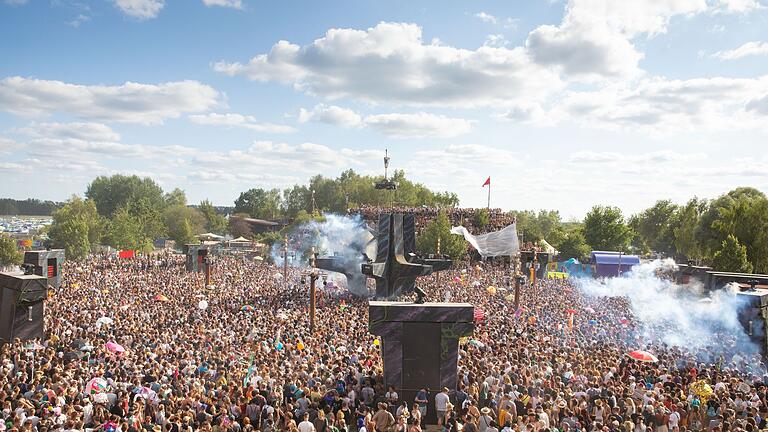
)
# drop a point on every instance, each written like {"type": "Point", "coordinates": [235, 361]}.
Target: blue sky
{"type": "Point", "coordinates": [565, 104]}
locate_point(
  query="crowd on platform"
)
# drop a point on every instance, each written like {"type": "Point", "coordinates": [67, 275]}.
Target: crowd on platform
{"type": "Point", "coordinates": [497, 218]}
{"type": "Point", "coordinates": [174, 356]}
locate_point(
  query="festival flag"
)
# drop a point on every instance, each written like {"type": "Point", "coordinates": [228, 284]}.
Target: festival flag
{"type": "Point", "coordinates": [487, 182]}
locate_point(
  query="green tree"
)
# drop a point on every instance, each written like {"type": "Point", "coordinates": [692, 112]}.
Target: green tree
{"type": "Point", "coordinates": [214, 222]}
{"type": "Point", "coordinates": [175, 197]}
{"type": "Point", "coordinates": [112, 193]}
{"type": "Point", "coordinates": [574, 246]}
{"type": "Point", "coordinates": [183, 223]}
{"type": "Point", "coordinates": [741, 213]}
{"type": "Point", "coordinates": [482, 218]}
{"type": "Point", "coordinates": [548, 221]}
{"type": "Point", "coordinates": [77, 227]}
{"type": "Point", "coordinates": [9, 253]}
{"type": "Point", "coordinates": [653, 227]}
{"type": "Point", "coordinates": [604, 229]}
{"type": "Point", "coordinates": [732, 257]}
{"type": "Point", "coordinates": [450, 244]}
{"type": "Point", "coordinates": [296, 199]}
{"type": "Point", "coordinates": [684, 226]}
{"type": "Point", "coordinates": [135, 226]}
{"type": "Point", "coordinates": [528, 226]}
{"type": "Point", "coordinates": [259, 203]}
{"type": "Point", "coordinates": [125, 232]}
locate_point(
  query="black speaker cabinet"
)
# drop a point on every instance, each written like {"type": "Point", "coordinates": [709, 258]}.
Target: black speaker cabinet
{"type": "Point", "coordinates": [22, 298]}
{"type": "Point", "coordinates": [46, 263]}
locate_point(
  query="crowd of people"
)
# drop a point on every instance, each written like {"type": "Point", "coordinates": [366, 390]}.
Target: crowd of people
{"type": "Point", "coordinates": [466, 217]}
{"type": "Point", "coordinates": [142, 345]}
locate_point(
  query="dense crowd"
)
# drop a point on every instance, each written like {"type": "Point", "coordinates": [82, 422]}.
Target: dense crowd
{"type": "Point", "coordinates": [142, 345]}
{"type": "Point", "coordinates": [497, 218]}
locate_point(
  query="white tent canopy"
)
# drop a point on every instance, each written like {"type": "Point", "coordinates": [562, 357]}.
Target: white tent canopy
{"type": "Point", "coordinates": [210, 236]}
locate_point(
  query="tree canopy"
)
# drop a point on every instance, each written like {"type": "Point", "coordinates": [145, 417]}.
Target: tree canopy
{"type": "Point", "coordinates": [450, 244]}
{"type": "Point", "coordinates": [604, 229]}
{"type": "Point", "coordinates": [9, 254]}
{"type": "Point", "coordinates": [77, 227]}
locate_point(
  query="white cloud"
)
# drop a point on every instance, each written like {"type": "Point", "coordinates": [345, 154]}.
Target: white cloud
{"type": "Point", "coordinates": [80, 131]}
{"type": "Point", "coordinates": [650, 158]}
{"type": "Point", "coordinates": [235, 4]}
{"type": "Point", "coordinates": [78, 20]}
{"type": "Point", "coordinates": [659, 105]}
{"type": "Point", "coordinates": [753, 48]}
{"type": "Point", "coordinates": [496, 41]}
{"type": "Point", "coordinates": [304, 157]}
{"type": "Point", "coordinates": [332, 114]}
{"type": "Point", "coordinates": [594, 40]}
{"type": "Point", "coordinates": [488, 18]}
{"type": "Point", "coordinates": [393, 125]}
{"type": "Point", "coordinates": [737, 6]}
{"type": "Point", "coordinates": [418, 125]}
{"type": "Point", "coordinates": [239, 120]}
{"type": "Point", "coordinates": [140, 9]}
{"type": "Point", "coordinates": [16, 2]}
{"type": "Point", "coordinates": [129, 102]}
{"type": "Point", "coordinates": [391, 63]}
{"type": "Point", "coordinates": [584, 51]}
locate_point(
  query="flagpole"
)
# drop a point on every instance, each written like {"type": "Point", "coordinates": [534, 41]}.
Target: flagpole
{"type": "Point", "coordinates": [489, 196]}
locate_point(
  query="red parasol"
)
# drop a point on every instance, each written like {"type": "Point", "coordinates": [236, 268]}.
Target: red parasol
{"type": "Point", "coordinates": [479, 315]}
{"type": "Point", "coordinates": [643, 356]}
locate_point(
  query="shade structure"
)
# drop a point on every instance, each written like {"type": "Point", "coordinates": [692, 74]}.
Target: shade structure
{"type": "Point", "coordinates": [643, 356]}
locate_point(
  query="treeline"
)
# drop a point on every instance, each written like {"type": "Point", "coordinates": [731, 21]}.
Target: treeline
{"type": "Point", "coordinates": [730, 233]}
{"type": "Point", "coordinates": [128, 212]}
{"type": "Point", "coordinates": [349, 190]}
{"type": "Point", "coordinates": [27, 207]}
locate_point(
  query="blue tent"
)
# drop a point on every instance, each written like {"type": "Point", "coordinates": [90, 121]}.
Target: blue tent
{"type": "Point", "coordinates": [612, 264]}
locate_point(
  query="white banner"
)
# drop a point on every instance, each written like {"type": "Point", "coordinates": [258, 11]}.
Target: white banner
{"type": "Point", "coordinates": [493, 244]}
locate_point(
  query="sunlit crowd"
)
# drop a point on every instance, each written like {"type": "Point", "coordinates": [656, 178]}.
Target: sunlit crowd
{"type": "Point", "coordinates": [143, 345]}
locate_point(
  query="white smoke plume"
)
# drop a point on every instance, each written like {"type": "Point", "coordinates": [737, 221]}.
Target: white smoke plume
{"type": "Point", "coordinates": [678, 315]}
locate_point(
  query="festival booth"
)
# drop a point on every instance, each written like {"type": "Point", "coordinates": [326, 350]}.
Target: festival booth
{"type": "Point", "coordinates": [612, 264]}
{"type": "Point", "coordinates": [575, 269]}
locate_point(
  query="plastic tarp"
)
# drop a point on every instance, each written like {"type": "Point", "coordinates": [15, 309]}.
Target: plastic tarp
{"type": "Point", "coordinates": [498, 243]}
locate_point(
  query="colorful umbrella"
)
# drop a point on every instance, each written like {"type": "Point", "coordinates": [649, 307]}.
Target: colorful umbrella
{"type": "Point", "coordinates": [247, 308]}
{"type": "Point", "coordinates": [34, 346]}
{"type": "Point", "coordinates": [104, 321]}
{"type": "Point", "coordinates": [476, 343]}
{"type": "Point", "coordinates": [643, 356]}
{"type": "Point", "coordinates": [161, 297]}
{"type": "Point", "coordinates": [96, 386]}
{"type": "Point", "coordinates": [114, 347]}
{"type": "Point", "coordinates": [479, 315]}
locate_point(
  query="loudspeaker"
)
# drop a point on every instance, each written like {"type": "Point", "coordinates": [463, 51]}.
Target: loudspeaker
{"type": "Point", "coordinates": [46, 263]}
{"type": "Point", "coordinates": [22, 299]}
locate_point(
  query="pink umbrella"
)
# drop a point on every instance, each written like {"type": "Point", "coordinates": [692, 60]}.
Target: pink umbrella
{"type": "Point", "coordinates": [643, 356]}
{"type": "Point", "coordinates": [114, 347]}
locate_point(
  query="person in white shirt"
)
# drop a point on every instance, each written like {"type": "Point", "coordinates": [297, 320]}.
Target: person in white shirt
{"type": "Point", "coordinates": [441, 405]}
{"type": "Point", "coordinates": [306, 425]}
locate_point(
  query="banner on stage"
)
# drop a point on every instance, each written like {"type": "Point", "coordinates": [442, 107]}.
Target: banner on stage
{"type": "Point", "coordinates": [498, 243]}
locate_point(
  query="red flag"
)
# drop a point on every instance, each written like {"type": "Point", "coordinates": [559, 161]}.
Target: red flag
{"type": "Point", "coordinates": [487, 182]}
